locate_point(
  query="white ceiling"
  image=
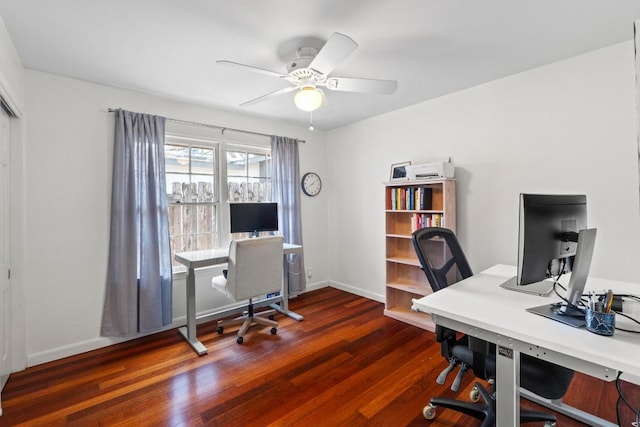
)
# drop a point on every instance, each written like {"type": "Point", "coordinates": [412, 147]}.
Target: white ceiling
{"type": "Point", "coordinates": [431, 47]}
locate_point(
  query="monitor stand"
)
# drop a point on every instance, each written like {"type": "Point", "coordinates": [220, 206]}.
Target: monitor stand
{"type": "Point", "coordinates": [560, 313]}
{"type": "Point", "coordinates": [580, 272]}
{"type": "Point", "coordinates": [542, 288]}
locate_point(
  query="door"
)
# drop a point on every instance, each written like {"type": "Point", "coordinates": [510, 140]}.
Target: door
{"type": "Point", "coordinates": [5, 279]}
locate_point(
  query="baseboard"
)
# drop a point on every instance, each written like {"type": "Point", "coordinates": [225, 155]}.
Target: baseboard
{"type": "Point", "coordinates": [357, 291]}
{"type": "Point", "coordinates": [100, 342]}
{"type": "Point", "coordinates": [71, 350]}
{"type": "Point", "coordinates": [315, 286]}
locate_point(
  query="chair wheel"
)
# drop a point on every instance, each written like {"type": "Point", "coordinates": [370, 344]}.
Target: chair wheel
{"type": "Point", "coordinates": [220, 329]}
{"type": "Point", "coordinates": [274, 331]}
{"type": "Point", "coordinates": [240, 340]}
{"type": "Point", "coordinates": [474, 394]}
{"type": "Point", "coordinates": [429, 412]}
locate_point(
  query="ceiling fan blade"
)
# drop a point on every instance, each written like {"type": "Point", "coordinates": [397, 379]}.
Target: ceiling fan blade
{"type": "Point", "coordinates": [268, 96]}
{"type": "Point", "coordinates": [334, 51]}
{"type": "Point", "coordinates": [251, 68]}
{"type": "Point", "coordinates": [348, 84]}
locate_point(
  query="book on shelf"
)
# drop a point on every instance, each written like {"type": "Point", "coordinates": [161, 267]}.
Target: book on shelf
{"type": "Point", "coordinates": [409, 198]}
{"type": "Point", "coordinates": [419, 221]}
{"type": "Point", "coordinates": [425, 198]}
{"type": "Point", "coordinates": [438, 221]}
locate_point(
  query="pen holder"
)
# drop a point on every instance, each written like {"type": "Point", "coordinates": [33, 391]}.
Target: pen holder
{"type": "Point", "coordinates": [599, 322]}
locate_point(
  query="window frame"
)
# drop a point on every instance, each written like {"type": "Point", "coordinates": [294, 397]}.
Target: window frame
{"type": "Point", "coordinates": [190, 143]}
{"type": "Point", "coordinates": [192, 136]}
{"type": "Point", "coordinates": [265, 151]}
{"type": "Point", "coordinates": [236, 146]}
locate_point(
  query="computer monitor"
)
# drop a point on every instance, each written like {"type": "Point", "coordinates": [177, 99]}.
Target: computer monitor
{"type": "Point", "coordinates": [549, 226]}
{"type": "Point", "coordinates": [253, 217]}
{"type": "Point", "coordinates": [547, 239]}
{"type": "Point", "coordinates": [553, 239]}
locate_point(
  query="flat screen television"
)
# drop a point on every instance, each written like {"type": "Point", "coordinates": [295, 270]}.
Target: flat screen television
{"type": "Point", "coordinates": [253, 217]}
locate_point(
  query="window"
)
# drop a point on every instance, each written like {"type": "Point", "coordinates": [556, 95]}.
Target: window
{"type": "Point", "coordinates": [197, 219]}
{"type": "Point", "coordinates": [248, 177]}
{"type": "Point", "coordinates": [193, 202]}
{"type": "Point", "coordinates": [248, 174]}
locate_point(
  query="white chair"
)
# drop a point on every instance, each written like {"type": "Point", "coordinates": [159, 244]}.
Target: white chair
{"type": "Point", "coordinates": [255, 269]}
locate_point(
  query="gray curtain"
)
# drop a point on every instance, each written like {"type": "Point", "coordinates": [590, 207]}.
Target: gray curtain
{"type": "Point", "coordinates": [286, 191]}
{"type": "Point", "coordinates": [139, 289]}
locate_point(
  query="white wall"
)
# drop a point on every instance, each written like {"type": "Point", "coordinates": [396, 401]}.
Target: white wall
{"type": "Point", "coordinates": [69, 148]}
{"type": "Point", "coordinates": [566, 127]}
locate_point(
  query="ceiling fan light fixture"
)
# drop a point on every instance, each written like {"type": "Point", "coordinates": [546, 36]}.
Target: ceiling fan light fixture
{"type": "Point", "coordinates": [308, 98]}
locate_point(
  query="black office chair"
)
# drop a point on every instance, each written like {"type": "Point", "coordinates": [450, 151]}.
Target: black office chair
{"type": "Point", "coordinates": [444, 263]}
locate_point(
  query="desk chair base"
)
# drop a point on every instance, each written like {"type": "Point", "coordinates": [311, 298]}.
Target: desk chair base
{"type": "Point", "coordinates": [250, 319]}
{"type": "Point", "coordinates": [485, 411]}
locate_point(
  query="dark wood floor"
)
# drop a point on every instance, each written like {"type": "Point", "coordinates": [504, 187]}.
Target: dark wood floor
{"type": "Point", "coordinates": [345, 365]}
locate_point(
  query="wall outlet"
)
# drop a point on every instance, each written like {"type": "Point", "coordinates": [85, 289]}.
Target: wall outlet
{"type": "Point", "coordinates": [309, 273]}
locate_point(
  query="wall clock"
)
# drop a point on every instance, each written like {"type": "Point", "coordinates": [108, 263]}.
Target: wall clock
{"type": "Point", "coordinates": [311, 184]}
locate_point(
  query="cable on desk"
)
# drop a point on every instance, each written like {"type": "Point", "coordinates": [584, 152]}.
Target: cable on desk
{"type": "Point", "coordinates": [583, 302]}
{"type": "Point", "coordinates": [620, 313]}
{"type": "Point", "coordinates": [566, 301]}
{"type": "Point", "coordinates": [630, 318]}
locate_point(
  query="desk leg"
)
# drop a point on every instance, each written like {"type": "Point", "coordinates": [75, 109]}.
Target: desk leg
{"type": "Point", "coordinates": [189, 331]}
{"type": "Point", "coordinates": [284, 303]}
{"type": "Point", "coordinates": [569, 411]}
{"type": "Point", "coordinates": [507, 386]}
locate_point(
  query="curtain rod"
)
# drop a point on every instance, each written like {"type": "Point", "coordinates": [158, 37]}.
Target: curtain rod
{"type": "Point", "coordinates": [222, 128]}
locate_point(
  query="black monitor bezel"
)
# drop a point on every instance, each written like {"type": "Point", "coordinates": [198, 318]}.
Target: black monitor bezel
{"type": "Point", "coordinates": [265, 217]}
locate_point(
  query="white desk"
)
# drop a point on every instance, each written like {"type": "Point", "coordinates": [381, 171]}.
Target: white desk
{"type": "Point", "coordinates": [478, 307]}
{"type": "Point", "coordinates": [204, 258]}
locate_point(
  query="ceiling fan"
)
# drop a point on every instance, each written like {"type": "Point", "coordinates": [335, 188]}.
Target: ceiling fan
{"type": "Point", "coordinates": [310, 70]}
